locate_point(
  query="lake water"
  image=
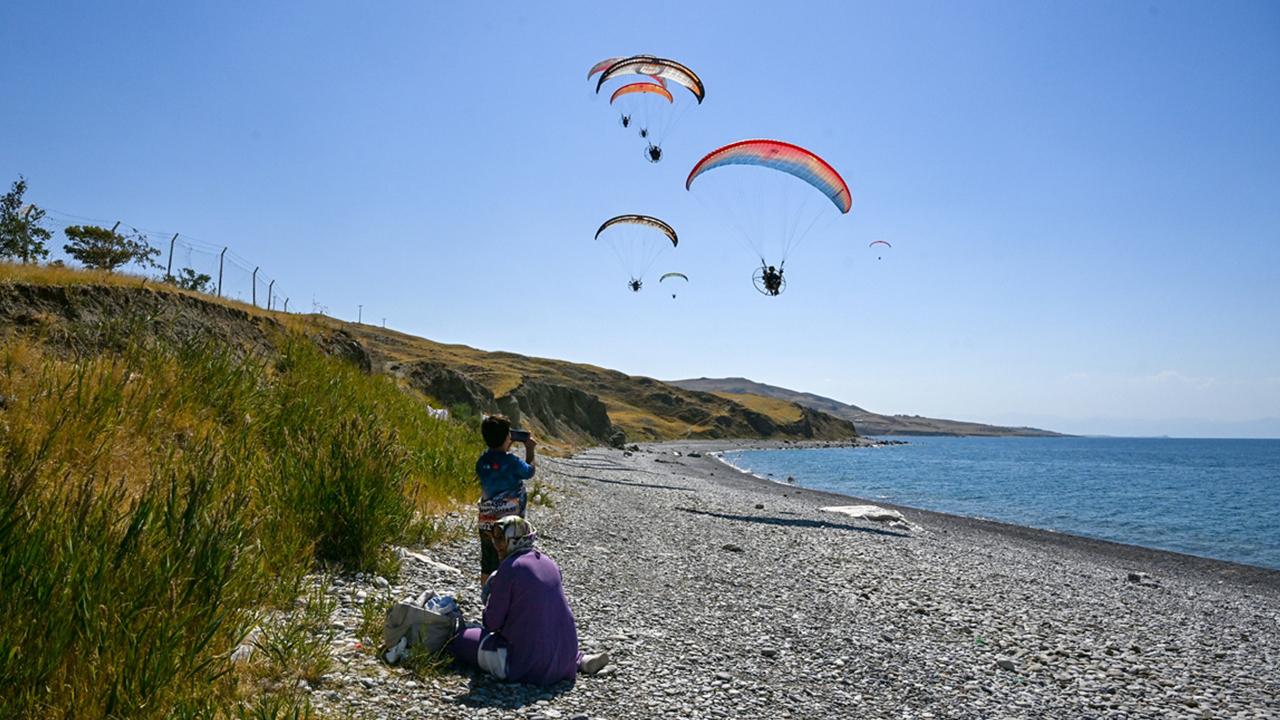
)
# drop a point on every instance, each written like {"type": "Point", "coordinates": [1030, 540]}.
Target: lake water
{"type": "Point", "coordinates": [1213, 498]}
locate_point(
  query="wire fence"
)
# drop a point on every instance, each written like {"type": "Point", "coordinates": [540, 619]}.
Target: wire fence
{"type": "Point", "coordinates": [208, 267]}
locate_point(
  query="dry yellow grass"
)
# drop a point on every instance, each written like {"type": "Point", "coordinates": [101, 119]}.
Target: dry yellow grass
{"type": "Point", "coordinates": [780, 411]}
{"type": "Point", "coordinates": [60, 275]}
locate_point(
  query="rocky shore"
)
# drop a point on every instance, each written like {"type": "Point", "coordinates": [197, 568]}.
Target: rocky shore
{"type": "Point", "coordinates": [721, 595]}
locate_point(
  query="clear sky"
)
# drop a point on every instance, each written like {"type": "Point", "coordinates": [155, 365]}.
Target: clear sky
{"type": "Point", "coordinates": [1083, 197]}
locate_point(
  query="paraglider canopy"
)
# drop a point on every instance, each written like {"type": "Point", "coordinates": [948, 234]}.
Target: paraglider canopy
{"type": "Point", "coordinates": [646, 220]}
{"type": "Point", "coordinates": [655, 67]}
{"type": "Point", "coordinates": [641, 87]}
{"type": "Point", "coordinates": [788, 158]}
{"type": "Point", "coordinates": [604, 65]}
{"type": "Point", "coordinates": [680, 276]}
{"type": "Point", "coordinates": [879, 242]}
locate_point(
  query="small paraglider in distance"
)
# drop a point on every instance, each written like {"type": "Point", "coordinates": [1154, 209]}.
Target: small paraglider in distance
{"type": "Point", "coordinates": [673, 275]}
{"type": "Point", "coordinates": [880, 242]}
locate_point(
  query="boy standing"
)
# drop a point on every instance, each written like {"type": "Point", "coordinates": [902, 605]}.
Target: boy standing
{"type": "Point", "coordinates": [502, 490]}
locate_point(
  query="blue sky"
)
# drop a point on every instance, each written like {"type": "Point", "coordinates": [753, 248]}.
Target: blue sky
{"type": "Point", "coordinates": [1083, 198]}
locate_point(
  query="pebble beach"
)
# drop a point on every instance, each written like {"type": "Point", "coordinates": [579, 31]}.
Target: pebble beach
{"type": "Point", "coordinates": [719, 594]}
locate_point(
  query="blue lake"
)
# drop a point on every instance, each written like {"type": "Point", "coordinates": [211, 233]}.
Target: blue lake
{"type": "Point", "coordinates": [1213, 498]}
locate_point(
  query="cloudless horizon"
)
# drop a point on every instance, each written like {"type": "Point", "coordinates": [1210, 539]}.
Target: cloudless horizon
{"type": "Point", "coordinates": [1083, 198]}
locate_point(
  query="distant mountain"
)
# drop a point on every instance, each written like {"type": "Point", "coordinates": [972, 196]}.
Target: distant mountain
{"type": "Point", "coordinates": [867, 422]}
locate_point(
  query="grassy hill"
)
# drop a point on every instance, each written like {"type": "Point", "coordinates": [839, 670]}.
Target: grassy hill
{"type": "Point", "coordinates": [867, 422]}
{"type": "Point", "coordinates": [573, 404]}
{"type": "Point", "coordinates": [580, 403]}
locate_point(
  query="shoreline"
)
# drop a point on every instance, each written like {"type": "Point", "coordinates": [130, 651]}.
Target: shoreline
{"type": "Point", "coordinates": [722, 595]}
{"type": "Point", "coordinates": [1165, 560]}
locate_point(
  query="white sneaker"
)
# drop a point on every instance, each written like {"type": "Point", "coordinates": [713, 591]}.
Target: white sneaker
{"type": "Point", "coordinates": [592, 664]}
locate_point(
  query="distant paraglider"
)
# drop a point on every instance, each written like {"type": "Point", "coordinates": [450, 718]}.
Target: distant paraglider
{"type": "Point", "coordinates": [681, 276]}
{"type": "Point", "coordinates": [765, 204]}
{"type": "Point", "coordinates": [879, 242]}
{"type": "Point", "coordinates": [648, 105]}
{"type": "Point", "coordinates": [638, 241]}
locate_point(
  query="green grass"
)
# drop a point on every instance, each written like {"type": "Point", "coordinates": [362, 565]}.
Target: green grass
{"type": "Point", "coordinates": [156, 502]}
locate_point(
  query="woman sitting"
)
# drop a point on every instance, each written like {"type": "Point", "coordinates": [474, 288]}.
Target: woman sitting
{"type": "Point", "coordinates": [528, 635]}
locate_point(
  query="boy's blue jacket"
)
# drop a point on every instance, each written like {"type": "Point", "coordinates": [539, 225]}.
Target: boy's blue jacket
{"type": "Point", "coordinates": [502, 473]}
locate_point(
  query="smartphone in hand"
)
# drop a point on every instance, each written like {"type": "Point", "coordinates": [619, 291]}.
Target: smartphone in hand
{"type": "Point", "coordinates": [519, 435]}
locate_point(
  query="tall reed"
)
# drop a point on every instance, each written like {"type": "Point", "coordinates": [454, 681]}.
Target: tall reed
{"type": "Point", "coordinates": [154, 500]}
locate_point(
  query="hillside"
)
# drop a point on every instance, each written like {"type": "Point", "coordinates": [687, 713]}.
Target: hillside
{"type": "Point", "coordinates": [574, 404]}
{"type": "Point", "coordinates": [867, 422]}
{"type": "Point", "coordinates": [578, 402]}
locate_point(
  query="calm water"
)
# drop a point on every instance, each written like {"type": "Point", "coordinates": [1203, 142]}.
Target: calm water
{"type": "Point", "coordinates": [1215, 498]}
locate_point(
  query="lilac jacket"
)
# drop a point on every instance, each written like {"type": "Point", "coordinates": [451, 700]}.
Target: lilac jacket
{"type": "Point", "coordinates": [527, 608]}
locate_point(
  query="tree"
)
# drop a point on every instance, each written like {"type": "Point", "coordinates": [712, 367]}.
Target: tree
{"type": "Point", "coordinates": [189, 279]}
{"type": "Point", "coordinates": [103, 249]}
{"type": "Point", "coordinates": [21, 235]}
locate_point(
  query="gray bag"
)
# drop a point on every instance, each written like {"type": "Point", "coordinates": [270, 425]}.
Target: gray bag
{"type": "Point", "coordinates": [424, 627]}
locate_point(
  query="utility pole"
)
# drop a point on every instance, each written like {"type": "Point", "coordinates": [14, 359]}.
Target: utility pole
{"type": "Point", "coordinates": [254, 282]}
{"type": "Point", "coordinates": [359, 313]}
{"type": "Point", "coordinates": [221, 256]}
{"type": "Point", "coordinates": [384, 323]}
{"type": "Point", "coordinates": [168, 271]}
{"type": "Point", "coordinates": [269, 286]}
{"type": "Point", "coordinates": [286, 305]}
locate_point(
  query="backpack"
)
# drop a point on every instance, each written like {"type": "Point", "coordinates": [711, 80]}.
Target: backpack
{"type": "Point", "coordinates": [428, 621]}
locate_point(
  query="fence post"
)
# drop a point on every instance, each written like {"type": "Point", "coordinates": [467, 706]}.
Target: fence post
{"type": "Point", "coordinates": [221, 255]}
{"type": "Point", "coordinates": [168, 271]}
{"type": "Point", "coordinates": [269, 294]}
{"type": "Point", "coordinates": [254, 282]}
{"type": "Point", "coordinates": [113, 227]}
{"type": "Point", "coordinates": [359, 314]}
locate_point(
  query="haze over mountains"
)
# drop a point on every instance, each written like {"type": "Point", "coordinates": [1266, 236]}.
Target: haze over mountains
{"type": "Point", "coordinates": [867, 422]}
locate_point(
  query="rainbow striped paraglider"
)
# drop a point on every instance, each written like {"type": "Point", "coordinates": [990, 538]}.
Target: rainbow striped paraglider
{"type": "Point", "coordinates": [762, 200]}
